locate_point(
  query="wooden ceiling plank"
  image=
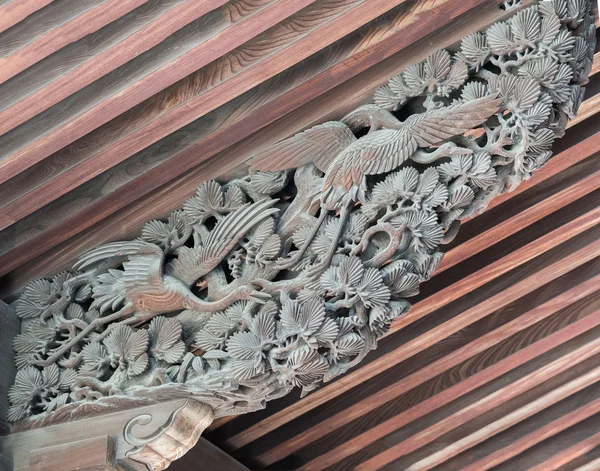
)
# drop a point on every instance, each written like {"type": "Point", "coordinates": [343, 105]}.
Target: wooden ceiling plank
{"type": "Point", "coordinates": [436, 334]}
{"type": "Point", "coordinates": [525, 218]}
{"type": "Point", "coordinates": [62, 171]}
{"type": "Point", "coordinates": [317, 27]}
{"type": "Point", "coordinates": [524, 443]}
{"type": "Point", "coordinates": [499, 267]}
{"type": "Point", "coordinates": [108, 56]}
{"type": "Point", "coordinates": [17, 10]}
{"type": "Point", "coordinates": [569, 454]}
{"type": "Point", "coordinates": [38, 237]}
{"type": "Point", "coordinates": [89, 21]}
{"type": "Point", "coordinates": [497, 398]}
{"type": "Point", "coordinates": [420, 376]}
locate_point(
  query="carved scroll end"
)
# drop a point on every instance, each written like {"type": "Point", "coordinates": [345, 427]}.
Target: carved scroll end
{"type": "Point", "coordinates": [171, 441]}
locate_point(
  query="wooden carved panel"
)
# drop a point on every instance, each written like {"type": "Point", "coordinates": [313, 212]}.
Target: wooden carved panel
{"type": "Point", "coordinates": [286, 277]}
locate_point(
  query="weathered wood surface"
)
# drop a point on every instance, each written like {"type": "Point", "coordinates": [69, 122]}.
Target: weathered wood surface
{"type": "Point", "coordinates": [494, 366]}
{"type": "Point", "coordinates": [10, 326]}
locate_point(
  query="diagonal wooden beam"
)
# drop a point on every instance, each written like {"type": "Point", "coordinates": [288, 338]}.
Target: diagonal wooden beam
{"type": "Point", "coordinates": [535, 437]}
{"type": "Point", "coordinates": [17, 10]}
{"type": "Point", "coordinates": [418, 344]}
{"type": "Point", "coordinates": [32, 47]}
{"type": "Point", "coordinates": [398, 388]}
{"type": "Point", "coordinates": [266, 55]}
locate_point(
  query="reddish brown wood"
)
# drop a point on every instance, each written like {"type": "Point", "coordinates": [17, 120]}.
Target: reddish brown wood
{"type": "Point", "coordinates": [436, 334]}
{"type": "Point", "coordinates": [496, 399]}
{"type": "Point", "coordinates": [143, 39]}
{"type": "Point", "coordinates": [566, 456]}
{"type": "Point", "coordinates": [17, 10]}
{"type": "Point", "coordinates": [535, 437]}
{"type": "Point", "coordinates": [356, 13]}
{"type": "Point", "coordinates": [437, 401]}
{"type": "Point", "coordinates": [419, 377]}
{"type": "Point", "coordinates": [59, 37]}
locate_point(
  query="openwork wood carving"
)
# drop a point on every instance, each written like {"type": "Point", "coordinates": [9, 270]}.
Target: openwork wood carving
{"type": "Point", "coordinates": [288, 276]}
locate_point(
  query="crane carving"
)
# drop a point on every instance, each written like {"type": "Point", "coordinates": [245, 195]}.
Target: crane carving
{"type": "Point", "coordinates": [146, 288]}
{"type": "Point", "coordinates": [347, 160]}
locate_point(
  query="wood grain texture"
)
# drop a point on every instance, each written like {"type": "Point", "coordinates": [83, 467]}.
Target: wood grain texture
{"type": "Point", "coordinates": [95, 454]}
{"type": "Point", "coordinates": [232, 74]}
{"type": "Point", "coordinates": [16, 11]}
{"type": "Point", "coordinates": [34, 47]}
{"type": "Point", "coordinates": [171, 157]}
{"type": "Point", "coordinates": [112, 113]}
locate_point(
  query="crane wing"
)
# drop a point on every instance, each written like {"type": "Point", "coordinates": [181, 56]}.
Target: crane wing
{"type": "Point", "coordinates": [143, 265]}
{"type": "Point", "coordinates": [384, 150]}
{"type": "Point", "coordinates": [191, 264]}
{"type": "Point", "coordinates": [319, 144]}
{"type": "Point", "coordinates": [377, 152]}
{"type": "Point", "coordinates": [436, 126]}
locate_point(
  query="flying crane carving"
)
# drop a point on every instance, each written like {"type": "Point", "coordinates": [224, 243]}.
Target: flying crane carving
{"type": "Point", "coordinates": [285, 277]}
{"type": "Point", "coordinates": [347, 161]}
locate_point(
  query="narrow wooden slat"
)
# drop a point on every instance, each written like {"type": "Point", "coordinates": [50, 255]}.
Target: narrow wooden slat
{"type": "Point", "coordinates": [17, 10]}
{"type": "Point", "coordinates": [436, 334]}
{"type": "Point", "coordinates": [570, 454]}
{"type": "Point", "coordinates": [523, 219]}
{"type": "Point", "coordinates": [535, 437]}
{"type": "Point", "coordinates": [591, 466]}
{"type": "Point", "coordinates": [82, 70]}
{"type": "Point", "coordinates": [66, 217]}
{"type": "Point", "coordinates": [398, 388]}
{"type": "Point", "coordinates": [505, 264]}
{"type": "Point", "coordinates": [57, 38]}
{"type": "Point", "coordinates": [488, 403]}
{"type": "Point", "coordinates": [291, 49]}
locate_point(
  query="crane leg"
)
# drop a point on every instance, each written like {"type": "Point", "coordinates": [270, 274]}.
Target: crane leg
{"type": "Point", "coordinates": [286, 263]}
{"type": "Point", "coordinates": [317, 269]}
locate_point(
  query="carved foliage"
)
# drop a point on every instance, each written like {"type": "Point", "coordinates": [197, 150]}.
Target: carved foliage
{"type": "Point", "coordinates": [243, 295]}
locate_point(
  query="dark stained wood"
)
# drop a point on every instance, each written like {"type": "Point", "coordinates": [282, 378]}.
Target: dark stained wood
{"type": "Point", "coordinates": [30, 45]}
{"type": "Point", "coordinates": [112, 113]}
{"type": "Point", "coordinates": [159, 163]}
